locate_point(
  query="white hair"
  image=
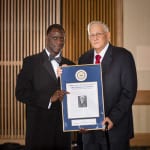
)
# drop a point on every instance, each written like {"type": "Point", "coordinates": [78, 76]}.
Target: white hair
{"type": "Point", "coordinates": [105, 27]}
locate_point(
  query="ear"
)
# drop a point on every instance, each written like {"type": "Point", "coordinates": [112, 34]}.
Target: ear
{"type": "Point", "coordinates": [46, 39]}
{"type": "Point", "coordinates": [108, 36]}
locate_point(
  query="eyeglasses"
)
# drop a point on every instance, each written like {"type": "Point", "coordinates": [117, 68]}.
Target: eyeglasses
{"type": "Point", "coordinates": [97, 35]}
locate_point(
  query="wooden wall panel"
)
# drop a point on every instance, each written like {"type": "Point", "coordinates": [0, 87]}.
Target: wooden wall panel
{"type": "Point", "coordinates": [142, 97]}
{"type": "Point", "coordinates": [76, 14]}
{"type": "Point", "coordinates": [23, 25]}
{"type": "Point", "coordinates": [141, 119]}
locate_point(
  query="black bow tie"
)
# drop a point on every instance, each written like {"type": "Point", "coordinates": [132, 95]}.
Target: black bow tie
{"type": "Point", "coordinates": [57, 59]}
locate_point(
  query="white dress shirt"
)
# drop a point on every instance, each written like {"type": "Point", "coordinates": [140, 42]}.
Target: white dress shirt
{"type": "Point", "coordinates": [102, 53]}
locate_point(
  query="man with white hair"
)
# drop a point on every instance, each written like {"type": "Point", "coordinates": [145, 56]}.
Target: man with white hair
{"type": "Point", "coordinates": [119, 87]}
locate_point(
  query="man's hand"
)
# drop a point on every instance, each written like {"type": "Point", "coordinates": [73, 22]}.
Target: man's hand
{"type": "Point", "coordinates": [109, 122]}
{"type": "Point", "coordinates": [59, 70]}
{"type": "Point", "coordinates": [58, 95]}
{"type": "Point", "coordinates": [83, 130]}
{"type": "Point", "coordinates": [105, 121]}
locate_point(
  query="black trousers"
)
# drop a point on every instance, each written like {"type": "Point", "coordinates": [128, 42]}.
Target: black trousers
{"type": "Point", "coordinates": [113, 146]}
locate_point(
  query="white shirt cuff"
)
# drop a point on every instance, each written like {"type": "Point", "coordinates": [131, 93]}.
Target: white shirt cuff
{"type": "Point", "coordinates": [49, 106]}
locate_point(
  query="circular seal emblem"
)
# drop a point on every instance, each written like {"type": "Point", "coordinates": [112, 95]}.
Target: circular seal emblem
{"type": "Point", "coordinates": [81, 75]}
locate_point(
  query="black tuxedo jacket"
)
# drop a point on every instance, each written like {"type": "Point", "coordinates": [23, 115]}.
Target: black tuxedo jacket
{"type": "Point", "coordinates": [119, 87]}
{"type": "Point", "coordinates": [36, 83]}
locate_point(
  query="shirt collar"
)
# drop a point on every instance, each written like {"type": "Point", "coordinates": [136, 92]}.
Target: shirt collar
{"type": "Point", "coordinates": [102, 53]}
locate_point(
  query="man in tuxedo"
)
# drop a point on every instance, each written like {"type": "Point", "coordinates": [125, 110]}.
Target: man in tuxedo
{"type": "Point", "coordinates": [119, 87]}
{"type": "Point", "coordinates": [39, 88]}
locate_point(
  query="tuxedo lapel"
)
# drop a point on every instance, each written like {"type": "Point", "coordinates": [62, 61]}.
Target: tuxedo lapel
{"type": "Point", "coordinates": [48, 66]}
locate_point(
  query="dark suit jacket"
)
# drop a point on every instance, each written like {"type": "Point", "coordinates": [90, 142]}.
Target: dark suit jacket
{"type": "Point", "coordinates": [36, 83]}
{"type": "Point", "coordinates": [120, 87]}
